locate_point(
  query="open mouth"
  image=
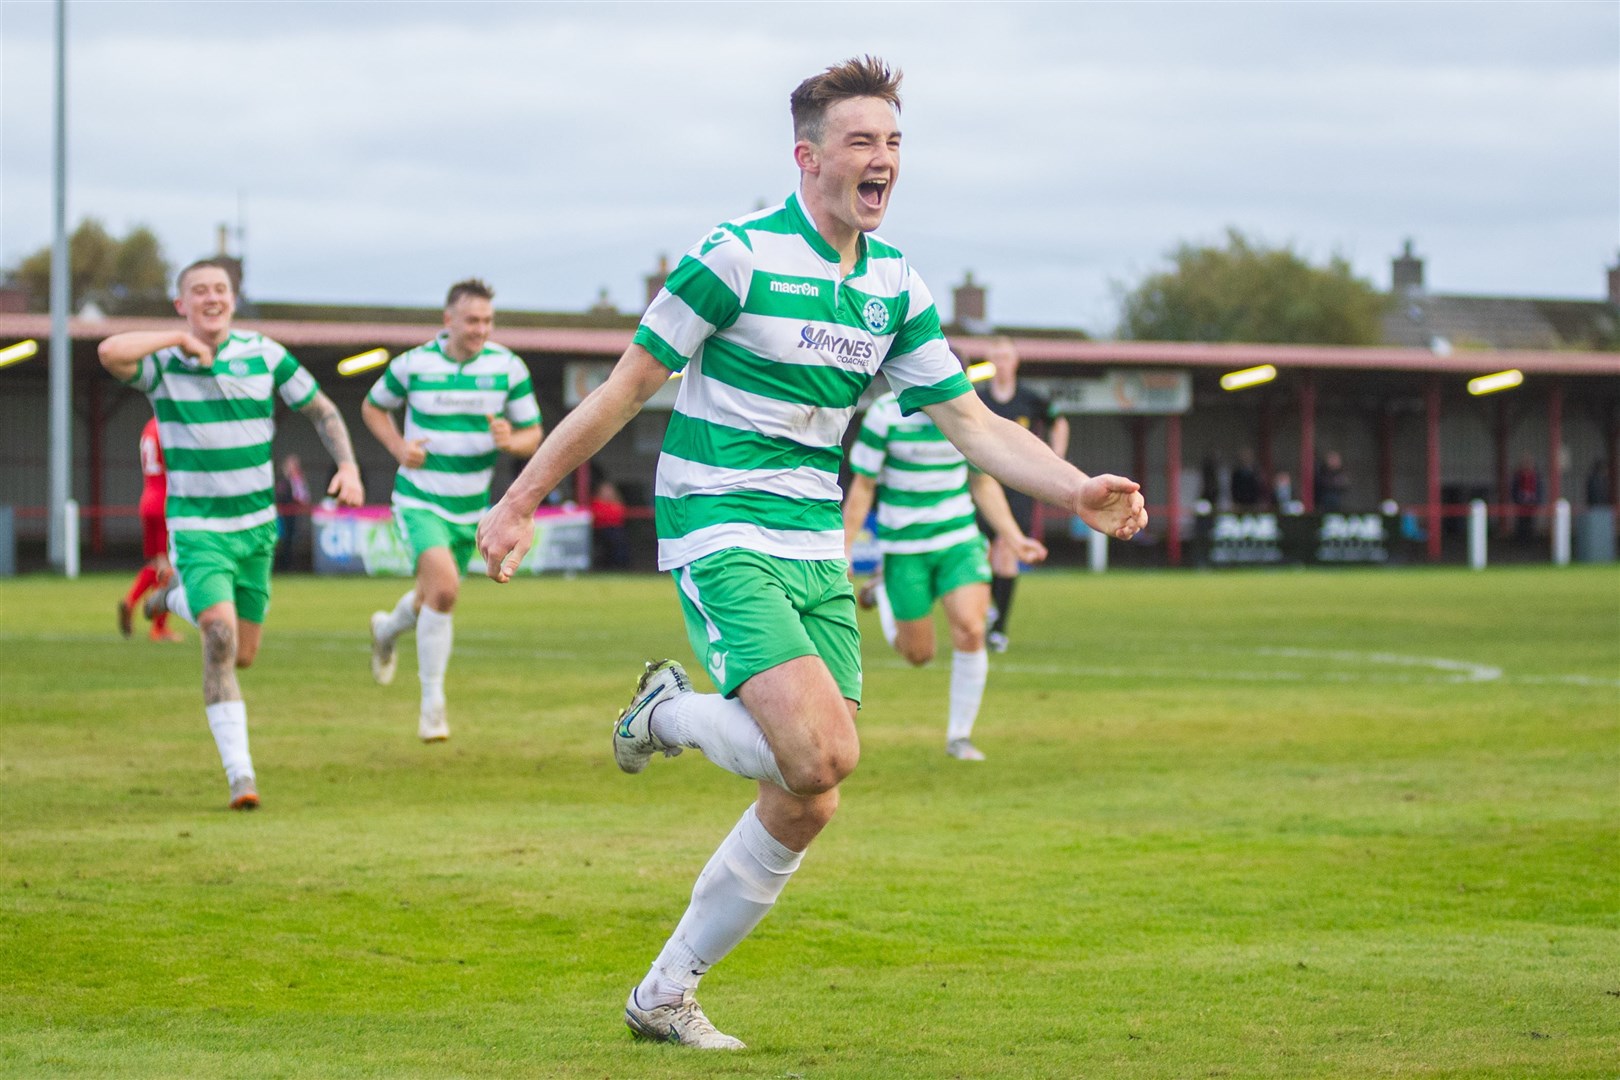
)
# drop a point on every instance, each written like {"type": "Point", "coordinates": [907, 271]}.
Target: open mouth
{"type": "Point", "coordinates": [872, 192]}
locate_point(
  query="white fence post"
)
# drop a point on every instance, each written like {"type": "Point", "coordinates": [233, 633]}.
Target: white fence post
{"type": "Point", "coordinates": [70, 539]}
{"type": "Point", "coordinates": [1560, 533]}
{"type": "Point", "coordinates": [1476, 534]}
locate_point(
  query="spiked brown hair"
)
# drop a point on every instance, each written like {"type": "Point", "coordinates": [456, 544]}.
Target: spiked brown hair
{"type": "Point", "coordinates": [860, 76]}
{"type": "Point", "coordinates": [471, 287]}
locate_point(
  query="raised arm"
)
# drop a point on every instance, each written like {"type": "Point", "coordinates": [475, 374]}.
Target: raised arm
{"type": "Point", "coordinates": [121, 354]}
{"type": "Point", "coordinates": [507, 530]}
{"type": "Point", "coordinates": [1013, 455]}
{"type": "Point", "coordinates": [334, 436]}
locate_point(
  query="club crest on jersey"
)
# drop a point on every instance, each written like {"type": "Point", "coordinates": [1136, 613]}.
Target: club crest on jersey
{"type": "Point", "coordinates": [237, 367]}
{"type": "Point", "coordinates": [486, 382]}
{"type": "Point", "coordinates": [875, 315]}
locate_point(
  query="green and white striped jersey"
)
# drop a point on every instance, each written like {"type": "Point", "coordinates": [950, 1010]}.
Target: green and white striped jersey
{"type": "Point", "coordinates": [923, 502]}
{"type": "Point", "coordinates": [449, 404]}
{"type": "Point", "coordinates": [777, 349]}
{"type": "Point", "coordinates": [216, 425]}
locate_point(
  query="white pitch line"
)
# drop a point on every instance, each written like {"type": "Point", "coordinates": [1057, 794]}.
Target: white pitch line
{"type": "Point", "coordinates": [1446, 671]}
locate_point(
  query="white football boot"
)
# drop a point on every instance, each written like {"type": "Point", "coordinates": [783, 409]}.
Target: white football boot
{"type": "Point", "coordinates": [633, 741]}
{"type": "Point", "coordinates": [963, 750]}
{"type": "Point", "coordinates": [433, 726]}
{"type": "Point", "coordinates": [682, 1023]}
{"type": "Point", "coordinates": [383, 658]}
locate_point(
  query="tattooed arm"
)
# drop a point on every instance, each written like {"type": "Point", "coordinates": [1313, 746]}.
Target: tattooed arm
{"type": "Point", "coordinates": [334, 435]}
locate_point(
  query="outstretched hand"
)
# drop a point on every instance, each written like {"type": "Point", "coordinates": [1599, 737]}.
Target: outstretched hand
{"type": "Point", "coordinates": [1112, 505]}
{"type": "Point", "coordinates": [504, 538]}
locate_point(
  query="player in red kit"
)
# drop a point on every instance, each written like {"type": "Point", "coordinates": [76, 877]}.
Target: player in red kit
{"type": "Point", "coordinates": [154, 538]}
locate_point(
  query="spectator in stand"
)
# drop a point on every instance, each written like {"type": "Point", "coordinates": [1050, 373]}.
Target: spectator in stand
{"type": "Point", "coordinates": [1331, 483]}
{"type": "Point", "coordinates": [292, 503]}
{"type": "Point", "coordinates": [1247, 493]}
{"type": "Point", "coordinates": [1282, 492]}
{"type": "Point", "coordinates": [607, 523]}
{"type": "Point", "coordinates": [1526, 495]}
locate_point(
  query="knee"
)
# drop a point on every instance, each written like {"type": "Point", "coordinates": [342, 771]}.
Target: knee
{"type": "Point", "coordinates": [821, 773]}
{"type": "Point", "coordinates": [245, 655]}
{"type": "Point", "coordinates": [441, 599]}
{"type": "Point", "coordinates": [917, 653]}
{"type": "Point", "coordinates": [967, 638]}
{"type": "Point", "coordinates": [219, 643]}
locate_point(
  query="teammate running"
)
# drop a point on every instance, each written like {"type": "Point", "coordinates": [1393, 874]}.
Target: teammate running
{"type": "Point", "coordinates": [154, 539]}
{"type": "Point", "coordinates": [466, 399]}
{"type": "Point", "coordinates": [932, 548]}
{"type": "Point", "coordinates": [779, 320]}
{"type": "Point", "coordinates": [1029, 410]}
{"type": "Point", "coordinates": [214, 392]}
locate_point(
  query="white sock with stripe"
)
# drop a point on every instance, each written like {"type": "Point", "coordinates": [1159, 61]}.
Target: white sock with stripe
{"type": "Point", "coordinates": [228, 721]}
{"type": "Point", "coordinates": [177, 603]}
{"type": "Point", "coordinates": [738, 886]}
{"type": "Point", "coordinates": [723, 729]}
{"type": "Point", "coordinates": [969, 671]}
{"type": "Point", "coordinates": [434, 636]}
{"type": "Point", "coordinates": [886, 613]}
{"type": "Point", "coordinates": [402, 618]}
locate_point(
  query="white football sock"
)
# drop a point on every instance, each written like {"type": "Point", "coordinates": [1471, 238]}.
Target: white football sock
{"type": "Point", "coordinates": [968, 673]}
{"type": "Point", "coordinates": [228, 721]}
{"type": "Point", "coordinates": [735, 890]}
{"type": "Point", "coordinates": [433, 640]}
{"type": "Point", "coordinates": [886, 613]}
{"type": "Point", "coordinates": [177, 603]}
{"type": "Point", "coordinates": [723, 729]}
{"type": "Point", "coordinates": [402, 618]}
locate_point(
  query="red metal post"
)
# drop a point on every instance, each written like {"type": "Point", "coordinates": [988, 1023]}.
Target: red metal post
{"type": "Point", "coordinates": [1139, 445]}
{"type": "Point", "coordinates": [1306, 488]}
{"type": "Point", "coordinates": [1555, 444]}
{"type": "Point", "coordinates": [1172, 465]}
{"type": "Point", "coordinates": [1432, 419]}
{"type": "Point", "coordinates": [582, 485]}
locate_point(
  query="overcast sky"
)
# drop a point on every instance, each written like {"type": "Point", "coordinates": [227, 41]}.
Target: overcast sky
{"type": "Point", "coordinates": [378, 151]}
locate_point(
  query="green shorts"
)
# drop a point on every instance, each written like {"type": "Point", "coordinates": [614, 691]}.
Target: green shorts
{"type": "Point", "coordinates": [747, 612]}
{"type": "Point", "coordinates": [219, 566]}
{"type": "Point", "coordinates": [914, 582]}
{"type": "Point", "coordinates": [422, 529]}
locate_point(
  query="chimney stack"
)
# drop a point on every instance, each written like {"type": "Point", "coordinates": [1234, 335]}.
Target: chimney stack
{"type": "Point", "coordinates": [1406, 271]}
{"type": "Point", "coordinates": [655, 280]}
{"type": "Point", "coordinates": [1614, 283]}
{"type": "Point", "coordinates": [969, 301]}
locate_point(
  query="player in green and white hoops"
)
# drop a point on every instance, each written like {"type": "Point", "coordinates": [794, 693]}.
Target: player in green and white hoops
{"type": "Point", "coordinates": [214, 391]}
{"type": "Point", "coordinates": [779, 321]}
{"type": "Point", "coordinates": [466, 400]}
{"type": "Point", "coordinates": [925, 492]}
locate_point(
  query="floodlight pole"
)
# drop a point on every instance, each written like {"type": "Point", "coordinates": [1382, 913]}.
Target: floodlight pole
{"type": "Point", "coordinates": [61, 369]}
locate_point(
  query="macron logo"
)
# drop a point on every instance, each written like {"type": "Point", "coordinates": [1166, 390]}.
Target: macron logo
{"type": "Point", "coordinates": [796, 288]}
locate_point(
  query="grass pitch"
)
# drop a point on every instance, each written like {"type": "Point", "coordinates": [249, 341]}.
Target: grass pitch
{"type": "Point", "coordinates": [1355, 824]}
